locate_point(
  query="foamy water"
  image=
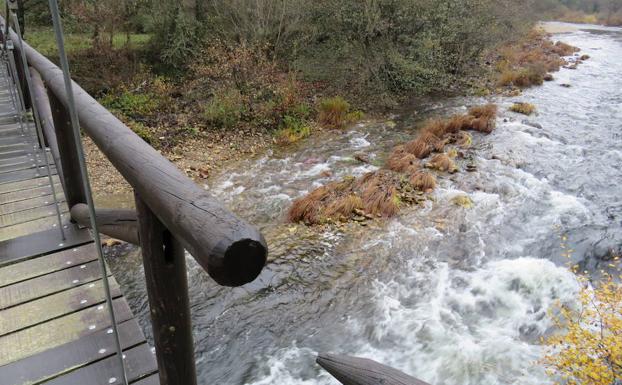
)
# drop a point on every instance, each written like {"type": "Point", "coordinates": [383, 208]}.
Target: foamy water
{"type": "Point", "coordinates": [447, 294]}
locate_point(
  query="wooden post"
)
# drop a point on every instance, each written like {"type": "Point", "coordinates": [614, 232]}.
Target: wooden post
{"type": "Point", "coordinates": [167, 287]}
{"type": "Point", "coordinates": [19, 68]}
{"type": "Point", "coordinates": [40, 98]}
{"type": "Point", "coordinates": [72, 177]}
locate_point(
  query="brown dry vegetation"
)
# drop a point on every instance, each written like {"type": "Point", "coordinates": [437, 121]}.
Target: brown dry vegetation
{"type": "Point", "coordinates": [523, 108]}
{"type": "Point", "coordinates": [442, 162]}
{"type": "Point", "coordinates": [380, 194]}
{"type": "Point", "coordinates": [527, 63]}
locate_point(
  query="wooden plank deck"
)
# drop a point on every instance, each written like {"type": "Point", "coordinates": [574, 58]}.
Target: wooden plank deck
{"type": "Point", "coordinates": [54, 322]}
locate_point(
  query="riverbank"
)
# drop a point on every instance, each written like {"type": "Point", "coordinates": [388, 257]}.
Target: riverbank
{"type": "Point", "coordinates": [201, 152]}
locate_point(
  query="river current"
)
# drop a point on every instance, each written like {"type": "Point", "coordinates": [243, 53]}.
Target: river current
{"type": "Point", "coordinates": [450, 295]}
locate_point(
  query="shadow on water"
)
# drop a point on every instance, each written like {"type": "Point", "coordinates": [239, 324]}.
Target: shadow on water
{"type": "Point", "coordinates": [447, 294]}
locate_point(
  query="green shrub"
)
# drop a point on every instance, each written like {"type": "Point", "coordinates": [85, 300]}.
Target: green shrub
{"type": "Point", "coordinates": [225, 109]}
{"type": "Point", "coordinates": [294, 128]}
{"type": "Point", "coordinates": [131, 104]}
{"type": "Point", "coordinates": [142, 131]}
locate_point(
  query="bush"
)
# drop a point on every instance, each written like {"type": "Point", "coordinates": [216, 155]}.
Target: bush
{"type": "Point", "coordinates": [131, 104]}
{"type": "Point", "coordinates": [294, 129]}
{"type": "Point", "coordinates": [225, 109]}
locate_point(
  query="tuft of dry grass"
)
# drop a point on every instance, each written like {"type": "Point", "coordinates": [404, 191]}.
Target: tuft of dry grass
{"type": "Point", "coordinates": [418, 148]}
{"type": "Point", "coordinates": [344, 206]}
{"type": "Point", "coordinates": [526, 64]}
{"type": "Point", "coordinates": [458, 122]}
{"type": "Point", "coordinates": [423, 181]}
{"type": "Point", "coordinates": [488, 111]}
{"type": "Point", "coordinates": [440, 145]}
{"type": "Point", "coordinates": [308, 208]}
{"type": "Point", "coordinates": [436, 127]}
{"type": "Point", "coordinates": [442, 162]}
{"type": "Point", "coordinates": [400, 160]}
{"type": "Point", "coordinates": [379, 193]}
{"type": "Point", "coordinates": [464, 139]}
{"type": "Point", "coordinates": [523, 108]}
{"type": "Point", "coordinates": [563, 49]}
{"type": "Point", "coordinates": [333, 112]}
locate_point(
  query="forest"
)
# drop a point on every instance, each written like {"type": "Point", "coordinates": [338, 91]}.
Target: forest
{"type": "Point", "coordinates": [165, 66]}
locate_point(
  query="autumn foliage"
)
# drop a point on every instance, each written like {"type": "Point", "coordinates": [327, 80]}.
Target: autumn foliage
{"type": "Point", "coordinates": [589, 351]}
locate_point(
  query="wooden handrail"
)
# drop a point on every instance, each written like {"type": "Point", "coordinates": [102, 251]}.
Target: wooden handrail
{"type": "Point", "coordinates": [232, 251]}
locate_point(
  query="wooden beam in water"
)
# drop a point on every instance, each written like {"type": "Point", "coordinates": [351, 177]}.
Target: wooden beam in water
{"type": "Point", "coordinates": [362, 371]}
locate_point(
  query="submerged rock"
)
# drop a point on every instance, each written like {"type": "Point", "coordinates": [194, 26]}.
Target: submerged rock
{"type": "Point", "coordinates": [531, 124]}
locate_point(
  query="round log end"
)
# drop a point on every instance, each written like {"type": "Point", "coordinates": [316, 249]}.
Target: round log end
{"type": "Point", "coordinates": [243, 261]}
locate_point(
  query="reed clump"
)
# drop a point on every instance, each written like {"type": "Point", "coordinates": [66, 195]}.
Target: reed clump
{"type": "Point", "coordinates": [382, 193]}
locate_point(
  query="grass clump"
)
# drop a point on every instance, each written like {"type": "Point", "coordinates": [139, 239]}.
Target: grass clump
{"type": "Point", "coordinates": [401, 161]}
{"type": "Point", "coordinates": [442, 162]}
{"type": "Point", "coordinates": [335, 113]}
{"type": "Point", "coordinates": [423, 181]}
{"type": "Point", "coordinates": [131, 104]}
{"type": "Point", "coordinates": [523, 108]}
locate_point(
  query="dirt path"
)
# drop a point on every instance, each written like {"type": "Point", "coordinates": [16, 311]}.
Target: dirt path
{"type": "Point", "coordinates": [198, 158]}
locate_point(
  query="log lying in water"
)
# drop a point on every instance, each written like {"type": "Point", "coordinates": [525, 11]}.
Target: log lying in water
{"type": "Point", "coordinates": [119, 224]}
{"type": "Point", "coordinates": [362, 371]}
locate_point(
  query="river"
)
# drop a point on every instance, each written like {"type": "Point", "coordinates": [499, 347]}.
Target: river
{"type": "Point", "coordinates": [451, 295]}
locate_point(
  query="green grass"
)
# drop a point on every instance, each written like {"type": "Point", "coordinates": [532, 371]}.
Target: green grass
{"type": "Point", "coordinates": [44, 41]}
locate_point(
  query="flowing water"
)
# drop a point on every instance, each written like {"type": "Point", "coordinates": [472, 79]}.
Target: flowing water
{"type": "Point", "coordinates": [448, 294]}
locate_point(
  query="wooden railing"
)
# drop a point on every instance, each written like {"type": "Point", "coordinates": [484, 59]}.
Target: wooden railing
{"type": "Point", "coordinates": [172, 214]}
